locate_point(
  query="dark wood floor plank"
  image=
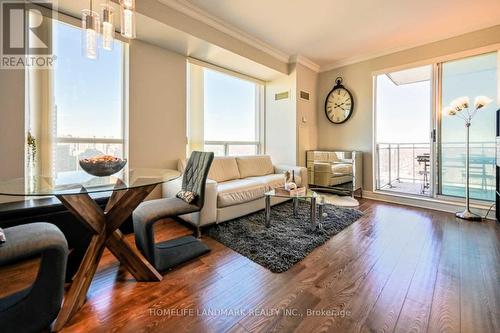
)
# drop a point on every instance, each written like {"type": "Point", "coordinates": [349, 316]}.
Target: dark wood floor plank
{"type": "Point", "coordinates": [445, 306]}
{"type": "Point", "coordinates": [415, 312]}
{"type": "Point", "coordinates": [385, 313]}
{"type": "Point", "coordinates": [473, 293]}
{"type": "Point", "coordinates": [397, 269]}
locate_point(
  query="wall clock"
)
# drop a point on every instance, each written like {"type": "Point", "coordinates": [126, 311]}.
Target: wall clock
{"type": "Point", "coordinates": [339, 103]}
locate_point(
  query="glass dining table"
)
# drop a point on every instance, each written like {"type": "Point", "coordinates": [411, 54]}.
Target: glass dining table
{"type": "Point", "coordinates": [128, 189]}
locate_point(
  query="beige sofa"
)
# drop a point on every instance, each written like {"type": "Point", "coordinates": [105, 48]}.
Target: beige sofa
{"type": "Point", "coordinates": [236, 187]}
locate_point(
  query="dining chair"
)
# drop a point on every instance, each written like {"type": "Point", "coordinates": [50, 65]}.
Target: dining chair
{"type": "Point", "coordinates": [165, 255]}
{"type": "Point", "coordinates": [34, 308]}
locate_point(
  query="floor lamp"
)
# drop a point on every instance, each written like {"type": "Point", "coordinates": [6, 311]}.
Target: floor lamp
{"type": "Point", "coordinates": [460, 108]}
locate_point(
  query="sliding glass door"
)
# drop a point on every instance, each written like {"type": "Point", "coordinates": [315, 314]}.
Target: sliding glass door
{"type": "Point", "coordinates": [419, 151]}
{"type": "Point", "coordinates": [468, 77]}
{"type": "Point", "coordinates": [403, 131]}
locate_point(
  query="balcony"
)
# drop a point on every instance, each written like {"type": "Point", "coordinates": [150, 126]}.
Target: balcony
{"type": "Point", "coordinates": [406, 168]}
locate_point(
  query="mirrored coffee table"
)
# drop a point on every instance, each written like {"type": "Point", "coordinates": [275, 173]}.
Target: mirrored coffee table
{"type": "Point", "coordinates": [315, 199]}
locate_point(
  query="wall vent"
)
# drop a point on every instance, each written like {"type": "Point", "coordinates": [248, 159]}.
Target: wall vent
{"type": "Point", "coordinates": [281, 95]}
{"type": "Point", "coordinates": [304, 95]}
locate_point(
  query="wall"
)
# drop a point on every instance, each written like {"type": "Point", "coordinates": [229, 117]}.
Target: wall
{"type": "Point", "coordinates": [307, 125]}
{"type": "Point", "coordinates": [157, 114]}
{"type": "Point", "coordinates": [281, 119]}
{"type": "Point", "coordinates": [356, 134]}
{"type": "Point", "coordinates": [11, 123]}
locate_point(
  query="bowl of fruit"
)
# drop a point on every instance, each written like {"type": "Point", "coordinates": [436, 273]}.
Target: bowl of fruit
{"type": "Point", "coordinates": [102, 165]}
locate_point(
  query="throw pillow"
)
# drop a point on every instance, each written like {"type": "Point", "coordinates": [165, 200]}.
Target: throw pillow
{"type": "Point", "coordinates": [187, 196]}
{"type": "Point", "coordinates": [2, 237]}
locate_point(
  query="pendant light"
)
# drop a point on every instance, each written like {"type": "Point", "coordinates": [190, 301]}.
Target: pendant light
{"type": "Point", "coordinates": [108, 27]}
{"type": "Point", "coordinates": [90, 32]}
{"type": "Point", "coordinates": [128, 18]}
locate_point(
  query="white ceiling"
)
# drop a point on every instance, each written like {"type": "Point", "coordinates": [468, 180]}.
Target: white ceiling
{"type": "Point", "coordinates": [331, 32]}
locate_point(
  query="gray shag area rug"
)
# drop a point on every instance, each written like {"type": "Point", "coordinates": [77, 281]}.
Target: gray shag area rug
{"type": "Point", "coordinates": [288, 240]}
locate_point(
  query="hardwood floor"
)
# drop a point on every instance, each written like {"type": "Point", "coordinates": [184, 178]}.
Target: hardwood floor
{"type": "Point", "coordinates": [397, 269]}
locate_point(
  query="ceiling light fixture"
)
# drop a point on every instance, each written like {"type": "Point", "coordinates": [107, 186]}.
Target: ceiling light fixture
{"type": "Point", "coordinates": [90, 32]}
{"type": "Point", "coordinates": [108, 27]}
{"type": "Point", "coordinates": [91, 27]}
{"type": "Point", "coordinates": [128, 18]}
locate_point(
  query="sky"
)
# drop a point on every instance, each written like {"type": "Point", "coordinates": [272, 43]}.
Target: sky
{"type": "Point", "coordinates": [88, 93]}
{"type": "Point", "coordinates": [471, 77]}
{"type": "Point", "coordinates": [404, 111]}
{"type": "Point", "coordinates": [229, 105]}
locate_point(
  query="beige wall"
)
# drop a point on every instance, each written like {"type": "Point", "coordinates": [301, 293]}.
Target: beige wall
{"type": "Point", "coordinates": [157, 115]}
{"type": "Point", "coordinates": [11, 123]}
{"type": "Point", "coordinates": [281, 118]}
{"type": "Point", "coordinates": [356, 134]}
{"type": "Point", "coordinates": [307, 126]}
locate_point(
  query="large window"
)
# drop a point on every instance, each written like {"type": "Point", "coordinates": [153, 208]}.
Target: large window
{"type": "Point", "coordinates": [85, 114]}
{"type": "Point", "coordinates": [230, 108]}
{"type": "Point", "coordinates": [418, 150]}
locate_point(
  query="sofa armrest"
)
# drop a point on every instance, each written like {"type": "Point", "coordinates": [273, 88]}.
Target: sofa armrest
{"type": "Point", "coordinates": [208, 213]}
{"type": "Point", "coordinates": [300, 173]}
{"type": "Point", "coordinates": [171, 188]}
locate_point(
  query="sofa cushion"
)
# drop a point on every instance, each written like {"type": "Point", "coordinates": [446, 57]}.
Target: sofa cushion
{"type": "Point", "coordinates": [342, 169]}
{"type": "Point", "coordinates": [239, 191]}
{"type": "Point", "coordinates": [271, 181]}
{"type": "Point", "coordinates": [224, 169]}
{"type": "Point", "coordinates": [251, 166]}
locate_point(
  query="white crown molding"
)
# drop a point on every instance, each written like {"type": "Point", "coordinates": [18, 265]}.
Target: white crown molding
{"type": "Point", "coordinates": [299, 59]}
{"type": "Point", "coordinates": [199, 14]}
{"type": "Point", "coordinates": [368, 56]}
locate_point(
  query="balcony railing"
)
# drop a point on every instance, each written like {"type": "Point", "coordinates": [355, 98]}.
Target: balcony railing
{"type": "Point", "coordinates": [398, 164]}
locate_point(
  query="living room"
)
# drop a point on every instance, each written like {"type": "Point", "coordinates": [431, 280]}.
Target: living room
{"type": "Point", "coordinates": [210, 166]}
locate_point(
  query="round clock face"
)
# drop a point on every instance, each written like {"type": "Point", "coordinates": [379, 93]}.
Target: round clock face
{"type": "Point", "coordinates": [339, 105]}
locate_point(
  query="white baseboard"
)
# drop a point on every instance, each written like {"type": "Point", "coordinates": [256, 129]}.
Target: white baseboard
{"type": "Point", "coordinates": [429, 203]}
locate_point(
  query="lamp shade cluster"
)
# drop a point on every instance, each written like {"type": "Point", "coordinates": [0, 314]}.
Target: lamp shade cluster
{"type": "Point", "coordinates": [460, 107]}
{"type": "Point", "coordinates": [96, 34]}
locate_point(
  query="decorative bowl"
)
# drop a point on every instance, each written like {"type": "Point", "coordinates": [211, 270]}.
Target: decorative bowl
{"type": "Point", "coordinates": [102, 166]}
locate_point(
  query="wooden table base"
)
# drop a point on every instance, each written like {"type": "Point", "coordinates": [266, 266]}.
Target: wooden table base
{"type": "Point", "coordinates": [104, 226]}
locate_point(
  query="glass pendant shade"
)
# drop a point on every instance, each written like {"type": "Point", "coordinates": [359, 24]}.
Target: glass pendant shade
{"type": "Point", "coordinates": [90, 34]}
{"type": "Point", "coordinates": [108, 27]}
{"type": "Point", "coordinates": [128, 18]}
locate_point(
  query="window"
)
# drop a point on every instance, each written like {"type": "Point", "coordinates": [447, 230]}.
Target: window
{"type": "Point", "coordinates": [231, 110]}
{"type": "Point", "coordinates": [419, 151]}
{"type": "Point", "coordinates": [86, 112]}
{"type": "Point", "coordinates": [471, 77]}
